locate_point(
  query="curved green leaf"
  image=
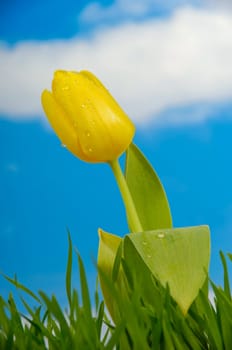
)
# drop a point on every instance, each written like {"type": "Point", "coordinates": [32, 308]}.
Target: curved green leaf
{"type": "Point", "coordinates": [177, 257]}
{"type": "Point", "coordinates": [147, 191]}
{"type": "Point", "coordinates": [107, 252]}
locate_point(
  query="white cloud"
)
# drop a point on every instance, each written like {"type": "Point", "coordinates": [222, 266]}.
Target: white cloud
{"type": "Point", "coordinates": [95, 11]}
{"type": "Point", "coordinates": [124, 9]}
{"type": "Point", "coordinates": [149, 66]}
{"type": "Point", "coordinates": [226, 4]}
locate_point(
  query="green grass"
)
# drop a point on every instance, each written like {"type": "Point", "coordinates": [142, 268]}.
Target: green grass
{"type": "Point", "coordinates": [142, 325]}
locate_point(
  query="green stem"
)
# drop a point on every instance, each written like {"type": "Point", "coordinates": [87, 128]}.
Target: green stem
{"type": "Point", "coordinates": [132, 216]}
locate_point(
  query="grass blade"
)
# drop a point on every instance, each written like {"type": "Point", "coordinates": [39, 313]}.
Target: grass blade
{"type": "Point", "coordinates": [226, 276]}
{"type": "Point", "coordinates": [22, 287]}
{"type": "Point", "coordinates": [69, 271]}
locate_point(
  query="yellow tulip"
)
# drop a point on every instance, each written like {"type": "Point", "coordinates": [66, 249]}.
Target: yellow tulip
{"type": "Point", "coordinates": [86, 118]}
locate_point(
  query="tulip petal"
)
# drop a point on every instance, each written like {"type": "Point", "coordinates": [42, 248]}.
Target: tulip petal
{"type": "Point", "coordinates": [64, 91]}
{"type": "Point", "coordinates": [93, 78]}
{"type": "Point", "coordinates": [60, 122]}
{"type": "Point", "coordinates": [99, 129]}
{"type": "Point", "coordinates": [103, 128]}
{"type": "Point", "coordinates": [102, 114]}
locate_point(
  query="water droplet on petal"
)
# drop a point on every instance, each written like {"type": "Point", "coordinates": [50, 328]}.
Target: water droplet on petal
{"type": "Point", "coordinates": [87, 133]}
{"type": "Point", "coordinates": [161, 235]}
{"type": "Point", "coordinates": [63, 145]}
{"type": "Point", "coordinates": [90, 150]}
{"type": "Point", "coordinates": [65, 88]}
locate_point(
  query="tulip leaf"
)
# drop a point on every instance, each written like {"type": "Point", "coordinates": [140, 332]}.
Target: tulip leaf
{"type": "Point", "coordinates": [117, 263]}
{"type": "Point", "coordinates": [108, 250]}
{"type": "Point", "coordinates": [177, 257]}
{"type": "Point", "coordinates": [147, 191]}
{"type": "Point", "coordinates": [123, 273]}
{"type": "Point", "coordinates": [142, 280]}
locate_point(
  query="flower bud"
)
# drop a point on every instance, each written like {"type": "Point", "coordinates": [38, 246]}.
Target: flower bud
{"type": "Point", "coordinates": [86, 118]}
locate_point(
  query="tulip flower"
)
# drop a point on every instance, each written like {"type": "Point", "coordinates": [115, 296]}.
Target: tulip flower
{"type": "Point", "coordinates": [91, 124]}
{"type": "Point", "coordinates": [86, 118]}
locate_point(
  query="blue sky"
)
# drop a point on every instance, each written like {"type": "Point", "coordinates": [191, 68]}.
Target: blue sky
{"type": "Point", "coordinates": [169, 66]}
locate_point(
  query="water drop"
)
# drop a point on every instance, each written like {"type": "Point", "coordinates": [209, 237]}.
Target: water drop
{"type": "Point", "coordinates": [161, 235]}
{"type": "Point", "coordinates": [148, 256]}
{"type": "Point", "coordinates": [90, 150]}
{"type": "Point", "coordinates": [87, 133]}
{"type": "Point", "coordinates": [83, 105]}
{"type": "Point", "coordinates": [63, 145]}
{"type": "Point", "coordinates": [144, 242]}
{"type": "Point", "coordinates": [65, 88]}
